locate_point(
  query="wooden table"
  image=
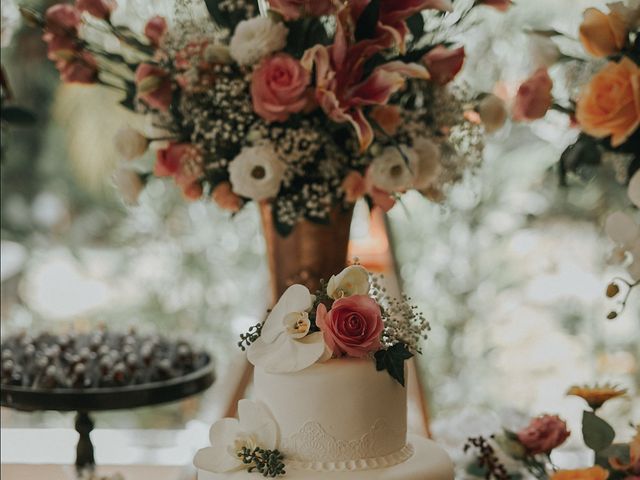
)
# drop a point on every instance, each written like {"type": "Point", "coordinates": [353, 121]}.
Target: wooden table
{"type": "Point", "coordinates": [67, 472]}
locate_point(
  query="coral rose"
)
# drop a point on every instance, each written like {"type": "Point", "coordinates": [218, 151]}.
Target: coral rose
{"type": "Point", "coordinates": [154, 86]}
{"type": "Point", "coordinates": [609, 105]}
{"type": "Point", "coordinates": [293, 9]}
{"type": "Point", "coordinates": [444, 63]}
{"type": "Point", "coordinates": [60, 47]}
{"type": "Point", "coordinates": [534, 97]}
{"type": "Point", "coordinates": [352, 327]}
{"type": "Point", "coordinates": [279, 87]}
{"type": "Point", "coordinates": [62, 19]}
{"type": "Point", "coordinates": [225, 198]}
{"type": "Point", "coordinates": [155, 29]}
{"type": "Point", "coordinates": [388, 118]}
{"type": "Point", "coordinates": [97, 8]}
{"type": "Point", "coordinates": [592, 473]}
{"type": "Point", "coordinates": [543, 434]}
{"type": "Point", "coordinates": [354, 186]}
{"type": "Point", "coordinates": [601, 34]}
{"type": "Point", "coordinates": [182, 161]}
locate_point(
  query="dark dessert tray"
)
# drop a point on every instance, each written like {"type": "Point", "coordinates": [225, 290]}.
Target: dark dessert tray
{"type": "Point", "coordinates": [88, 400]}
{"type": "Point", "coordinates": [107, 398]}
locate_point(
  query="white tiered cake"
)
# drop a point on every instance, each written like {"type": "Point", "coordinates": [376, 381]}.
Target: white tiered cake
{"type": "Point", "coordinates": [329, 418]}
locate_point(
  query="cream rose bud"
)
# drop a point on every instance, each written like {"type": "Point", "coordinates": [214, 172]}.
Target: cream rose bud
{"type": "Point", "coordinates": [130, 143]}
{"type": "Point", "coordinates": [493, 113]}
{"type": "Point", "coordinates": [353, 280]}
{"type": "Point", "coordinates": [128, 184]}
{"type": "Point", "coordinates": [256, 173]}
{"type": "Point", "coordinates": [426, 167]}
{"type": "Point", "coordinates": [256, 38]}
{"type": "Point", "coordinates": [389, 170]}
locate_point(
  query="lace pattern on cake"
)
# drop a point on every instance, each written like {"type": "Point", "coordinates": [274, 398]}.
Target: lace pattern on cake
{"type": "Point", "coordinates": [312, 448]}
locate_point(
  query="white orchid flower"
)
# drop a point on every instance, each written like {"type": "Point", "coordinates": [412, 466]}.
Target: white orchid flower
{"type": "Point", "coordinates": [284, 345]}
{"type": "Point", "coordinates": [255, 427]}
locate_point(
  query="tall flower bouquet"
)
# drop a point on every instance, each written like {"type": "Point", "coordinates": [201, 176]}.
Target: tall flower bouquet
{"type": "Point", "coordinates": [305, 106]}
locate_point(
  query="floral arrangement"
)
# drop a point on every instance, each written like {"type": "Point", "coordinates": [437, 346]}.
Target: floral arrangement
{"type": "Point", "coordinates": [350, 316]}
{"type": "Point", "coordinates": [604, 99]}
{"type": "Point", "coordinates": [529, 450]}
{"type": "Point", "coordinates": [604, 104]}
{"type": "Point", "coordinates": [307, 106]}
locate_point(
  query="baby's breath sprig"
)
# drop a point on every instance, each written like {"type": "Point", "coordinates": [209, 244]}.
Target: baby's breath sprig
{"type": "Point", "coordinates": [267, 462]}
{"type": "Point", "coordinates": [486, 458]}
{"type": "Point", "coordinates": [246, 339]}
{"type": "Point", "coordinates": [403, 322]}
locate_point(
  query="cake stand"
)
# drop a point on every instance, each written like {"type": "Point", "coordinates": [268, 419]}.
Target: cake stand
{"type": "Point", "coordinates": [84, 401]}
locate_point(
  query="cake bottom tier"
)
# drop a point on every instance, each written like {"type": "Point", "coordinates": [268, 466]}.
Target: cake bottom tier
{"type": "Point", "coordinates": [428, 462]}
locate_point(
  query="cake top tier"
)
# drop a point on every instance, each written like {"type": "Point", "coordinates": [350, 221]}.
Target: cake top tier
{"type": "Point", "coordinates": [349, 316]}
{"type": "Point", "coordinates": [315, 413]}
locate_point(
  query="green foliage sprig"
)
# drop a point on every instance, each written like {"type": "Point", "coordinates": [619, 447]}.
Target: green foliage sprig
{"type": "Point", "coordinates": [246, 339]}
{"type": "Point", "coordinates": [267, 462]}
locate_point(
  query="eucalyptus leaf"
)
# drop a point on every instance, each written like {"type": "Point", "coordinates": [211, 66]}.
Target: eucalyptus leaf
{"type": "Point", "coordinates": [597, 433]}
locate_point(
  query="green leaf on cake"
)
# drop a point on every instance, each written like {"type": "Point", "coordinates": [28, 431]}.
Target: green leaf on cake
{"type": "Point", "coordinates": [392, 360]}
{"type": "Point", "coordinates": [597, 433]}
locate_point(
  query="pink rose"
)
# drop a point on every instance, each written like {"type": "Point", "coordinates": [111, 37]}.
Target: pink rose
{"type": "Point", "coordinates": [444, 63]}
{"type": "Point", "coordinates": [279, 87]}
{"type": "Point", "coordinates": [155, 29]}
{"type": "Point", "coordinates": [62, 19]}
{"type": "Point", "coordinates": [154, 86]}
{"type": "Point", "coordinates": [293, 9]}
{"type": "Point", "coordinates": [97, 8]}
{"type": "Point", "coordinates": [543, 434]}
{"type": "Point", "coordinates": [534, 97]}
{"type": "Point", "coordinates": [81, 68]}
{"type": "Point", "coordinates": [352, 327]}
{"type": "Point", "coordinates": [502, 5]}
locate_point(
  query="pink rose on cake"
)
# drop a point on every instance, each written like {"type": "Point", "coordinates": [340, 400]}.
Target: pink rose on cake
{"type": "Point", "coordinates": [352, 327]}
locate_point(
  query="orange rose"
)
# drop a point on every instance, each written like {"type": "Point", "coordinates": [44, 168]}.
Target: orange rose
{"type": "Point", "coordinates": [593, 473]}
{"type": "Point", "coordinates": [609, 105]}
{"type": "Point", "coordinates": [601, 34]}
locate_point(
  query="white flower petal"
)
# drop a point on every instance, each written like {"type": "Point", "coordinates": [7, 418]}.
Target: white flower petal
{"type": "Point", "coordinates": [621, 228]}
{"type": "Point", "coordinates": [256, 38]}
{"type": "Point", "coordinates": [256, 419]}
{"type": "Point", "coordinates": [634, 270]}
{"type": "Point", "coordinates": [217, 458]}
{"type": "Point", "coordinates": [389, 170]}
{"type": "Point", "coordinates": [256, 172]}
{"type": "Point", "coordinates": [634, 189]}
{"type": "Point", "coordinates": [296, 298]}
{"type": "Point", "coordinates": [287, 355]}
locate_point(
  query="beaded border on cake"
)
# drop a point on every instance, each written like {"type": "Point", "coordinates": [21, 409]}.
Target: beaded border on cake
{"type": "Point", "coordinates": [354, 465]}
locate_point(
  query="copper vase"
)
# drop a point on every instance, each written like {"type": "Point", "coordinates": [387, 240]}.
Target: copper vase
{"type": "Point", "coordinates": [311, 251]}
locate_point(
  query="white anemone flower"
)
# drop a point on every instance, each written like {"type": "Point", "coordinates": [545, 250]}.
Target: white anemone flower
{"type": "Point", "coordinates": [389, 170]}
{"type": "Point", "coordinates": [256, 38]}
{"type": "Point", "coordinates": [353, 280]}
{"type": "Point", "coordinates": [284, 345]}
{"type": "Point", "coordinates": [255, 427]}
{"type": "Point", "coordinates": [256, 173]}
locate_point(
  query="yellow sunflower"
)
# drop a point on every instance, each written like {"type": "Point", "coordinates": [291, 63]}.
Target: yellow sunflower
{"type": "Point", "coordinates": [596, 396]}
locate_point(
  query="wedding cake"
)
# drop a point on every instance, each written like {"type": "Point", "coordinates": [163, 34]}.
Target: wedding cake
{"type": "Point", "coordinates": [330, 400]}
